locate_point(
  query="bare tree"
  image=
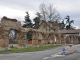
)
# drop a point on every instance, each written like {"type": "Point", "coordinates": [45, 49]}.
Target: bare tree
{"type": "Point", "coordinates": [43, 11]}
{"type": "Point", "coordinates": [48, 12]}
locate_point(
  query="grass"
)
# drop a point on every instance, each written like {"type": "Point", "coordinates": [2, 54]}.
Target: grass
{"type": "Point", "coordinates": [28, 49]}
{"type": "Point", "coordinates": [79, 59]}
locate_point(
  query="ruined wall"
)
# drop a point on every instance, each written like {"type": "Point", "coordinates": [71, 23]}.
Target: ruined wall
{"type": "Point", "coordinates": [72, 39]}
{"type": "Point", "coordinates": [4, 42]}
{"type": "Point", "coordinates": [43, 36]}
{"type": "Point", "coordinates": [21, 40]}
{"type": "Point", "coordinates": [6, 25]}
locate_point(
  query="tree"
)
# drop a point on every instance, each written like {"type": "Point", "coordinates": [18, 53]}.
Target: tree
{"type": "Point", "coordinates": [38, 15]}
{"type": "Point", "coordinates": [37, 22]}
{"type": "Point", "coordinates": [62, 25]}
{"type": "Point", "coordinates": [69, 22]}
{"type": "Point", "coordinates": [27, 21]}
{"type": "Point", "coordinates": [48, 12]}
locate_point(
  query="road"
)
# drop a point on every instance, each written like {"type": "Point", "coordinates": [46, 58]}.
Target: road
{"type": "Point", "coordinates": [74, 56]}
{"type": "Point", "coordinates": [42, 55]}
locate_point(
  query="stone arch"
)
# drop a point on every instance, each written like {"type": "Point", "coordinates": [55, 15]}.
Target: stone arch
{"type": "Point", "coordinates": [75, 40]}
{"type": "Point", "coordinates": [51, 38]}
{"type": "Point", "coordinates": [67, 39]}
{"type": "Point", "coordinates": [40, 41]}
{"type": "Point", "coordinates": [6, 26]}
{"type": "Point", "coordinates": [70, 39]}
{"type": "Point", "coordinates": [29, 36]}
{"type": "Point", "coordinates": [62, 38]}
{"type": "Point", "coordinates": [13, 35]}
{"type": "Point", "coordinates": [48, 37]}
{"type": "Point", "coordinates": [79, 39]}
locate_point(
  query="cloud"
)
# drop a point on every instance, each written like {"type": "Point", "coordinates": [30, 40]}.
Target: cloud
{"type": "Point", "coordinates": [17, 8]}
{"type": "Point", "coordinates": [14, 13]}
{"type": "Point", "coordinates": [5, 11]}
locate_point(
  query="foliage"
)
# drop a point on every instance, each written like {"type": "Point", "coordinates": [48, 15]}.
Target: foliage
{"type": "Point", "coordinates": [69, 22]}
{"type": "Point", "coordinates": [62, 25]}
{"type": "Point", "coordinates": [79, 59]}
{"type": "Point", "coordinates": [28, 23]}
{"type": "Point", "coordinates": [37, 22]}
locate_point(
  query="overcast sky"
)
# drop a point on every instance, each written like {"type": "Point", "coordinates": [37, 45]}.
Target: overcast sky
{"type": "Point", "coordinates": [17, 8]}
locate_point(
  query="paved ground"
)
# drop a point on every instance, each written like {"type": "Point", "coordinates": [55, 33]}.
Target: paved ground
{"type": "Point", "coordinates": [74, 56]}
{"type": "Point", "coordinates": [41, 55]}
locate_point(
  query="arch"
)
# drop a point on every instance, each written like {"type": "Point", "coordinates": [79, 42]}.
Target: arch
{"type": "Point", "coordinates": [13, 34]}
{"type": "Point", "coordinates": [79, 39]}
{"type": "Point", "coordinates": [29, 37]}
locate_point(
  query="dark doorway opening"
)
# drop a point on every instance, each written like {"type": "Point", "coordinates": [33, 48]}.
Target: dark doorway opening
{"type": "Point", "coordinates": [29, 37]}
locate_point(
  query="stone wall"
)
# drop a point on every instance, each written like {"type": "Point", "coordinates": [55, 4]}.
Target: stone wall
{"type": "Point", "coordinates": [4, 42]}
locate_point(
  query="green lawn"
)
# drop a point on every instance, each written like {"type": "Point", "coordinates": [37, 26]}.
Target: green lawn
{"type": "Point", "coordinates": [28, 49]}
{"type": "Point", "coordinates": [79, 59]}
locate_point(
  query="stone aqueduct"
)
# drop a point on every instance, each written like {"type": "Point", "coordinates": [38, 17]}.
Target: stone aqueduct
{"type": "Point", "coordinates": [7, 25]}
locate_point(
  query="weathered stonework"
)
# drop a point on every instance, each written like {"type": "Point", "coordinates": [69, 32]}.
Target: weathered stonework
{"type": "Point", "coordinates": [44, 35]}
{"type": "Point", "coordinates": [6, 26]}
{"type": "Point", "coordinates": [4, 42]}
